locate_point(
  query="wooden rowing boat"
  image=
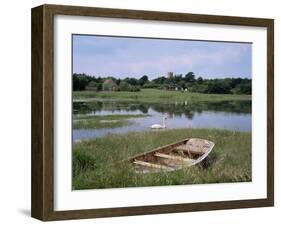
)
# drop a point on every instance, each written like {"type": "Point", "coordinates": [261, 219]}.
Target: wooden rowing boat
{"type": "Point", "coordinates": [174, 156]}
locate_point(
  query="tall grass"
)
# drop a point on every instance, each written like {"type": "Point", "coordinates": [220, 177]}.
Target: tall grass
{"type": "Point", "coordinates": [96, 163]}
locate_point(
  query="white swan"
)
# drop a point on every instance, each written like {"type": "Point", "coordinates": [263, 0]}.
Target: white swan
{"type": "Point", "coordinates": [158, 126]}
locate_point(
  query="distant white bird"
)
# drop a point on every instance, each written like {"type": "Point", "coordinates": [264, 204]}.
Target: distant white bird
{"type": "Point", "coordinates": [158, 126]}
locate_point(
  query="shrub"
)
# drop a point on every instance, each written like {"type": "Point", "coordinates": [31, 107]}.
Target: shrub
{"type": "Point", "coordinates": [124, 86]}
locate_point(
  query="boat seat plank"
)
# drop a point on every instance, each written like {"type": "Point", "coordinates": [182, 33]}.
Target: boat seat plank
{"type": "Point", "coordinates": [173, 157]}
{"type": "Point", "coordinates": [185, 148]}
{"type": "Point", "coordinates": [152, 165]}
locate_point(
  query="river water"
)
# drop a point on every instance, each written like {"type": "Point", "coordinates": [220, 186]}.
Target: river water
{"type": "Point", "coordinates": [231, 115]}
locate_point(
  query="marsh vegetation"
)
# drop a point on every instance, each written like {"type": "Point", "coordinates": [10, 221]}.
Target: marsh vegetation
{"type": "Point", "coordinates": [99, 163]}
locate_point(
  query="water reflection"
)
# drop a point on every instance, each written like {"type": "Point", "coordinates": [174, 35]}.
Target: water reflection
{"type": "Point", "coordinates": [186, 108]}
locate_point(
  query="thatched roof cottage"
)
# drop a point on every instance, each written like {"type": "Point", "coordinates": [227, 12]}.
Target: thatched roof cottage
{"type": "Point", "coordinates": [109, 85]}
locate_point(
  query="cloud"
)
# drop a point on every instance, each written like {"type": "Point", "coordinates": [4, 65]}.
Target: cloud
{"type": "Point", "coordinates": [187, 61]}
{"type": "Point", "coordinates": [135, 57]}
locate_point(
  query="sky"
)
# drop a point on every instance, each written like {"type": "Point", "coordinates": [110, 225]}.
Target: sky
{"type": "Point", "coordinates": [134, 57]}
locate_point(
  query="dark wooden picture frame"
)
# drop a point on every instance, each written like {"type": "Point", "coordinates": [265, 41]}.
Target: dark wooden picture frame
{"type": "Point", "coordinates": [42, 203]}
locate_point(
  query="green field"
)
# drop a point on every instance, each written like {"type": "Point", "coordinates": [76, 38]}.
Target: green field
{"type": "Point", "coordinates": [155, 96]}
{"type": "Point", "coordinates": [98, 163]}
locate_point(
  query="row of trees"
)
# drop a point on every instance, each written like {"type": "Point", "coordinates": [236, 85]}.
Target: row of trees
{"type": "Point", "coordinates": [187, 82]}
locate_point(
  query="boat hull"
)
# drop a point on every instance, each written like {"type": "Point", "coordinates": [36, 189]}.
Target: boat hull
{"type": "Point", "coordinates": [185, 153]}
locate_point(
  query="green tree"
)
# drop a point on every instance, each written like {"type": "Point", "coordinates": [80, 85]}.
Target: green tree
{"type": "Point", "coordinates": [80, 81]}
{"type": "Point", "coordinates": [243, 89]}
{"type": "Point", "coordinates": [132, 81]}
{"type": "Point", "coordinates": [124, 86]}
{"type": "Point", "coordinates": [143, 80]}
{"type": "Point", "coordinates": [200, 80]}
{"type": "Point", "coordinates": [159, 80]}
{"type": "Point", "coordinates": [218, 86]}
{"type": "Point", "coordinates": [181, 84]}
{"type": "Point", "coordinates": [92, 85]}
{"type": "Point", "coordinates": [189, 77]}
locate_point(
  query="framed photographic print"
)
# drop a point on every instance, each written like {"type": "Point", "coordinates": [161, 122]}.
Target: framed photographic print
{"type": "Point", "coordinates": [141, 112]}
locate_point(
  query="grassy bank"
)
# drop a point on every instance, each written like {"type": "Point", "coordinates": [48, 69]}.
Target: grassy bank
{"type": "Point", "coordinates": [94, 162]}
{"type": "Point", "coordinates": [155, 95]}
{"type": "Point", "coordinates": [103, 121]}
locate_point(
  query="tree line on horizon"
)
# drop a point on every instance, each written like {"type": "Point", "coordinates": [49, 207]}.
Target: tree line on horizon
{"type": "Point", "coordinates": [187, 82]}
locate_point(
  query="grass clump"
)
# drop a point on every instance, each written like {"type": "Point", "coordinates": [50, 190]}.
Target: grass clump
{"type": "Point", "coordinates": [231, 159]}
{"type": "Point", "coordinates": [103, 121]}
{"type": "Point", "coordinates": [82, 161]}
